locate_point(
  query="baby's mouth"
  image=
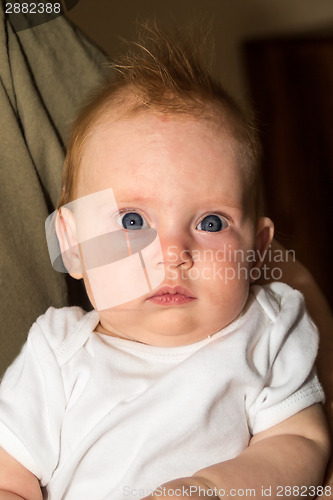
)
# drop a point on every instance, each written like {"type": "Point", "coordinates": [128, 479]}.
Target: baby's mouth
{"type": "Point", "coordinates": [171, 296]}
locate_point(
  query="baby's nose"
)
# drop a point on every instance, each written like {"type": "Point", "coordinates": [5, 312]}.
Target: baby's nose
{"type": "Point", "coordinates": [177, 253]}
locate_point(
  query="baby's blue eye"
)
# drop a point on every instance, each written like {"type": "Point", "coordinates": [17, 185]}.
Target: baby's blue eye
{"type": "Point", "coordinates": [132, 221]}
{"type": "Point", "coordinates": [212, 223]}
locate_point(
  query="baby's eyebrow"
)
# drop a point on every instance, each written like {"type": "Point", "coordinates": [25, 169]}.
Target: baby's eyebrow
{"type": "Point", "coordinates": [133, 198]}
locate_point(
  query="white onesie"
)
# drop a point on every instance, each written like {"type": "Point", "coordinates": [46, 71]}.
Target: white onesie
{"type": "Point", "coordinates": [101, 418]}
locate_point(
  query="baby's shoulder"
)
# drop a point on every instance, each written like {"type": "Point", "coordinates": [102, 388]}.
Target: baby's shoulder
{"type": "Point", "coordinates": [60, 326]}
{"type": "Point", "coordinates": [277, 299]}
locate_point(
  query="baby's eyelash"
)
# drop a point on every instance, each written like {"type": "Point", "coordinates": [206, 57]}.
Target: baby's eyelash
{"type": "Point", "coordinates": [219, 214]}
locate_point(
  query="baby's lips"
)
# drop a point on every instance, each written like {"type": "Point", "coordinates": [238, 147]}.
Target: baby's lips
{"type": "Point", "coordinates": [180, 290]}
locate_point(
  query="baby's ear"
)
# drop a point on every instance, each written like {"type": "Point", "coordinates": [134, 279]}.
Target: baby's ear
{"type": "Point", "coordinates": [66, 231]}
{"type": "Point", "coordinates": [264, 236]}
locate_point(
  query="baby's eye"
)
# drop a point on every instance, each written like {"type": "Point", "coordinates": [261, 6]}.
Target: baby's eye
{"type": "Point", "coordinates": [132, 221]}
{"type": "Point", "coordinates": [212, 223]}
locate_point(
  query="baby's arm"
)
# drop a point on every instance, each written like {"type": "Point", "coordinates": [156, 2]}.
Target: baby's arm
{"type": "Point", "coordinates": [16, 482]}
{"type": "Point", "coordinates": [293, 453]}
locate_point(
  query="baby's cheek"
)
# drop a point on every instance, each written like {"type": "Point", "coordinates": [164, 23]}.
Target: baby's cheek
{"type": "Point", "coordinates": [225, 279]}
{"type": "Point", "coordinates": [224, 301]}
{"type": "Point", "coordinates": [222, 265]}
{"type": "Point", "coordinates": [229, 300]}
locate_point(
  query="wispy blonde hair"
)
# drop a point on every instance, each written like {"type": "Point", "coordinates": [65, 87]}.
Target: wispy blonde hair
{"type": "Point", "coordinates": [166, 73]}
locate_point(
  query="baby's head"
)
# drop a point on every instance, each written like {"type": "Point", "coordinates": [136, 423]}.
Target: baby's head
{"type": "Point", "coordinates": [164, 161]}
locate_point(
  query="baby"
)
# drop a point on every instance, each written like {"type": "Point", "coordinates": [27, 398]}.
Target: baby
{"type": "Point", "coordinates": [185, 380]}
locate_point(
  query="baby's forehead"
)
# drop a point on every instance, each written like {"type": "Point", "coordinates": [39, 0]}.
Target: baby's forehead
{"type": "Point", "coordinates": [123, 146]}
{"type": "Point", "coordinates": [124, 128]}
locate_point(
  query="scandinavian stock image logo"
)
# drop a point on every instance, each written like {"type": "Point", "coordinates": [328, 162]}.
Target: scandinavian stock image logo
{"type": "Point", "coordinates": [85, 237]}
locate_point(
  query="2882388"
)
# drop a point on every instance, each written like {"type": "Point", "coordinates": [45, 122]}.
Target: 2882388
{"type": "Point", "coordinates": [32, 8]}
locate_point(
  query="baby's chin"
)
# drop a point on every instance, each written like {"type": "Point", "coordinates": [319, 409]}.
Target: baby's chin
{"type": "Point", "coordinates": [181, 331]}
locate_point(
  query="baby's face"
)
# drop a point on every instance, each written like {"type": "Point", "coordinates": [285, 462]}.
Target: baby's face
{"type": "Point", "coordinates": [178, 176]}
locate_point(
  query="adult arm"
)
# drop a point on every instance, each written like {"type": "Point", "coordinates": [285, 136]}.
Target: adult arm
{"type": "Point", "coordinates": [46, 72]}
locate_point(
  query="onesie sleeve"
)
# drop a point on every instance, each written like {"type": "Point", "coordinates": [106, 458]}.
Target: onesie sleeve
{"type": "Point", "coordinates": [32, 405]}
{"type": "Point", "coordinates": [284, 357]}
